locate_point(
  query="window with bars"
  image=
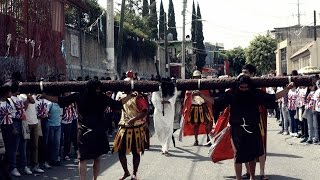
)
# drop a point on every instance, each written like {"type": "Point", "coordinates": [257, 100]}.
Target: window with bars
{"type": "Point", "coordinates": [283, 59]}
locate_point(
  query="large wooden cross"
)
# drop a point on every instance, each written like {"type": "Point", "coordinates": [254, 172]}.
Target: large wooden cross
{"type": "Point", "coordinates": [150, 86]}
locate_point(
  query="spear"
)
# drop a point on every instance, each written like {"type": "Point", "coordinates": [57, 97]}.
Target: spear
{"type": "Point", "coordinates": [150, 86]}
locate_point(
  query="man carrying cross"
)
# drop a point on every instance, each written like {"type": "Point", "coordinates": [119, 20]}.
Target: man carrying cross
{"type": "Point", "coordinates": [244, 101]}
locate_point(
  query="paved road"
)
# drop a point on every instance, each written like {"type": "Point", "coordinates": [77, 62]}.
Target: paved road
{"type": "Point", "coordinates": [287, 160]}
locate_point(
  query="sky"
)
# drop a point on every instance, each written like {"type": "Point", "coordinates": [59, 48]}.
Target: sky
{"type": "Point", "coordinates": [236, 22]}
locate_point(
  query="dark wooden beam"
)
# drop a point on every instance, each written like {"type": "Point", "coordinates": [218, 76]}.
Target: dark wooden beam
{"type": "Point", "coordinates": [150, 86]}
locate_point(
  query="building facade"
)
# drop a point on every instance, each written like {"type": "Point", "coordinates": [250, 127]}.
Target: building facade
{"type": "Point", "coordinates": [297, 48]}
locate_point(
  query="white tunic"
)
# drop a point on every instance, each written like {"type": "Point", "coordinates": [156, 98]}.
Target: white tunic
{"type": "Point", "coordinates": [163, 124]}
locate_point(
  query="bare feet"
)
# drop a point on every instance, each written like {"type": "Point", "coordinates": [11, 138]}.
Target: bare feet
{"type": "Point", "coordinates": [134, 177]}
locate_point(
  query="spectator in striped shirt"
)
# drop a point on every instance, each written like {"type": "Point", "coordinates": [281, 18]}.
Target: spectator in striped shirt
{"type": "Point", "coordinates": [66, 126]}
{"type": "Point", "coordinates": [6, 123]}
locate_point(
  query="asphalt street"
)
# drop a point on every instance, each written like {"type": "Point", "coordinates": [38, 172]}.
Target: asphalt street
{"type": "Point", "coordinates": [287, 159]}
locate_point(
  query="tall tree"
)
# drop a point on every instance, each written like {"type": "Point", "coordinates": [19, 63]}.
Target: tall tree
{"type": "Point", "coordinates": [200, 48]}
{"type": "Point", "coordinates": [172, 21]}
{"type": "Point", "coordinates": [145, 8]}
{"type": "Point", "coordinates": [193, 24]}
{"type": "Point", "coordinates": [153, 20]}
{"type": "Point", "coordinates": [261, 53]}
{"type": "Point", "coordinates": [237, 59]}
{"type": "Point", "coordinates": [161, 21]}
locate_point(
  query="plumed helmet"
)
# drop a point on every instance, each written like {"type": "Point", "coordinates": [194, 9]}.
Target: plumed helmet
{"type": "Point", "coordinates": [196, 73]}
{"type": "Point", "coordinates": [129, 74]}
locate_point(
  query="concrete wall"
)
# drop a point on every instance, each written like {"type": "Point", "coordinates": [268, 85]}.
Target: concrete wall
{"type": "Point", "coordinates": [10, 65]}
{"type": "Point", "coordinates": [292, 47]}
{"type": "Point", "coordinates": [93, 62]}
{"type": "Point", "coordinates": [90, 60]}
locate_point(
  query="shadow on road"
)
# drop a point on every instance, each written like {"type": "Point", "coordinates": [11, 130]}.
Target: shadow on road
{"type": "Point", "coordinates": [271, 176]}
{"type": "Point", "coordinates": [194, 156]}
{"type": "Point", "coordinates": [283, 155]}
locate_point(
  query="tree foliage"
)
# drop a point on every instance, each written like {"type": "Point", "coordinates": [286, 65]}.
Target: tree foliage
{"type": "Point", "coordinates": [153, 20]}
{"type": "Point", "coordinates": [193, 23]}
{"type": "Point", "coordinates": [161, 21]}
{"type": "Point", "coordinates": [72, 15]}
{"type": "Point", "coordinates": [145, 8]}
{"type": "Point", "coordinates": [172, 21]}
{"type": "Point", "coordinates": [261, 53]}
{"type": "Point", "coordinates": [237, 60]}
{"type": "Point", "coordinates": [200, 48]}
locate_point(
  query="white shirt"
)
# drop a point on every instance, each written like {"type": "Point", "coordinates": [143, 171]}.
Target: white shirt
{"type": "Point", "coordinates": [17, 104]}
{"type": "Point", "coordinates": [316, 97]}
{"type": "Point", "coordinates": [31, 112]}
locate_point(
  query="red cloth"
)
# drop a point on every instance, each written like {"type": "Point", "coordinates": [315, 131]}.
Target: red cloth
{"type": "Point", "coordinates": [142, 103]}
{"type": "Point", "coordinates": [188, 129]}
{"type": "Point", "coordinates": [223, 150]}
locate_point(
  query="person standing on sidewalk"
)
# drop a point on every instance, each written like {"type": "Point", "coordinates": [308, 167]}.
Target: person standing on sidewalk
{"type": "Point", "coordinates": [43, 114]}
{"type": "Point", "coordinates": [66, 126]}
{"type": "Point", "coordinates": [311, 116]}
{"type": "Point", "coordinates": [19, 137]}
{"type": "Point", "coordinates": [34, 127]}
{"type": "Point", "coordinates": [7, 128]}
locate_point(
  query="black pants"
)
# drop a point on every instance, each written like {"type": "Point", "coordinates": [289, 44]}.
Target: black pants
{"type": "Point", "coordinates": [4, 168]}
{"type": "Point", "coordinates": [304, 128]}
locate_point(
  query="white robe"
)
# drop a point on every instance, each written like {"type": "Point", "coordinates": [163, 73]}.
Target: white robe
{"type": "Point", "coordinates": [163, 125]}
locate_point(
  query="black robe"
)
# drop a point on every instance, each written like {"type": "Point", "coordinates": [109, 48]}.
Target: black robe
{"type": "Point", "coordinates": [92, 137]}
{"type": "Point", "coordinates": [244, 108]}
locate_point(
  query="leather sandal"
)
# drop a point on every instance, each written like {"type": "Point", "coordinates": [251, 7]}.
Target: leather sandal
{"type": "Point", "coordinates": [263, 177]}
{"type": "Point", "coordinates": [124, 176]}
{"type": "Point", "coordinates": [246, 176]}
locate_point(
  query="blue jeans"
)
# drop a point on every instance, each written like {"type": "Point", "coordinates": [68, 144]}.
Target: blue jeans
{"type": "Point", "coordinates": [20, 144]}
{"type": "Point", "coordinates": [294, 122]}
{"type": "Point", "coordinates": [312, 125]}
{"type": "Point", "coordinates": [65, 139]}
{"type": "Point", "coordinates": [54, 142]}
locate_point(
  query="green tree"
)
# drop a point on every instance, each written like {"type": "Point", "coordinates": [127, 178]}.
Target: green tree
{"type": "Point", "coordinates": [161, 21]}
{"type": "Point", "coordinates": [193, 24]}
{"type": "Point", "coordinates": [261, 53]}
{"type": "Point", "coordinates": [237, 59]}
{"type": "Point", "coordinates": [200, 48]}
{"type": "Point", "coordinates": [172, 21]}
{"type": "Point", "coordinates": [72, 14]}
{"type": "Point", "coordinates": [145, 8]}
{"type": "Point", "coordinates": [153, 20]}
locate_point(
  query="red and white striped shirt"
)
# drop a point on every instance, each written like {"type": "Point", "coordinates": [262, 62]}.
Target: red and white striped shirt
{"type": "Point", "coordinates": [292, 99]}
{"type": "Point", "coordinates": [5, 113]}
{"type": "Point", "coordinates": [67, 115]}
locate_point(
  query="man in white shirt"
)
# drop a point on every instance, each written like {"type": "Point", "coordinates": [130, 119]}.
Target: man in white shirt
{"type": "Point", "coordinates": [34, 128]}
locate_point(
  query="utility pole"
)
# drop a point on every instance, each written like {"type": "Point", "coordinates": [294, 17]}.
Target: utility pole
{"type": "Point", "coordinates": [166, 44]}
{"type": "Point", "coordinates": [299, 15]}
{"type": "Point", "coordinates": [120, 38]}
{"type": "Point", "coordinates": [315, 25]}
{"type": "Point", "coordinates": [110, 37]}
{"type": "Point", "coordinates": [80, 45]}
{"type": "Point", "coordinates": [183, 61]}
{"type": "Point", "coordinates": [315, 35]}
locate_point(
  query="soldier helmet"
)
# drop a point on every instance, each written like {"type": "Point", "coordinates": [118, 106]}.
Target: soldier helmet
{"type": "Point", "coordinates": [196, 73]}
